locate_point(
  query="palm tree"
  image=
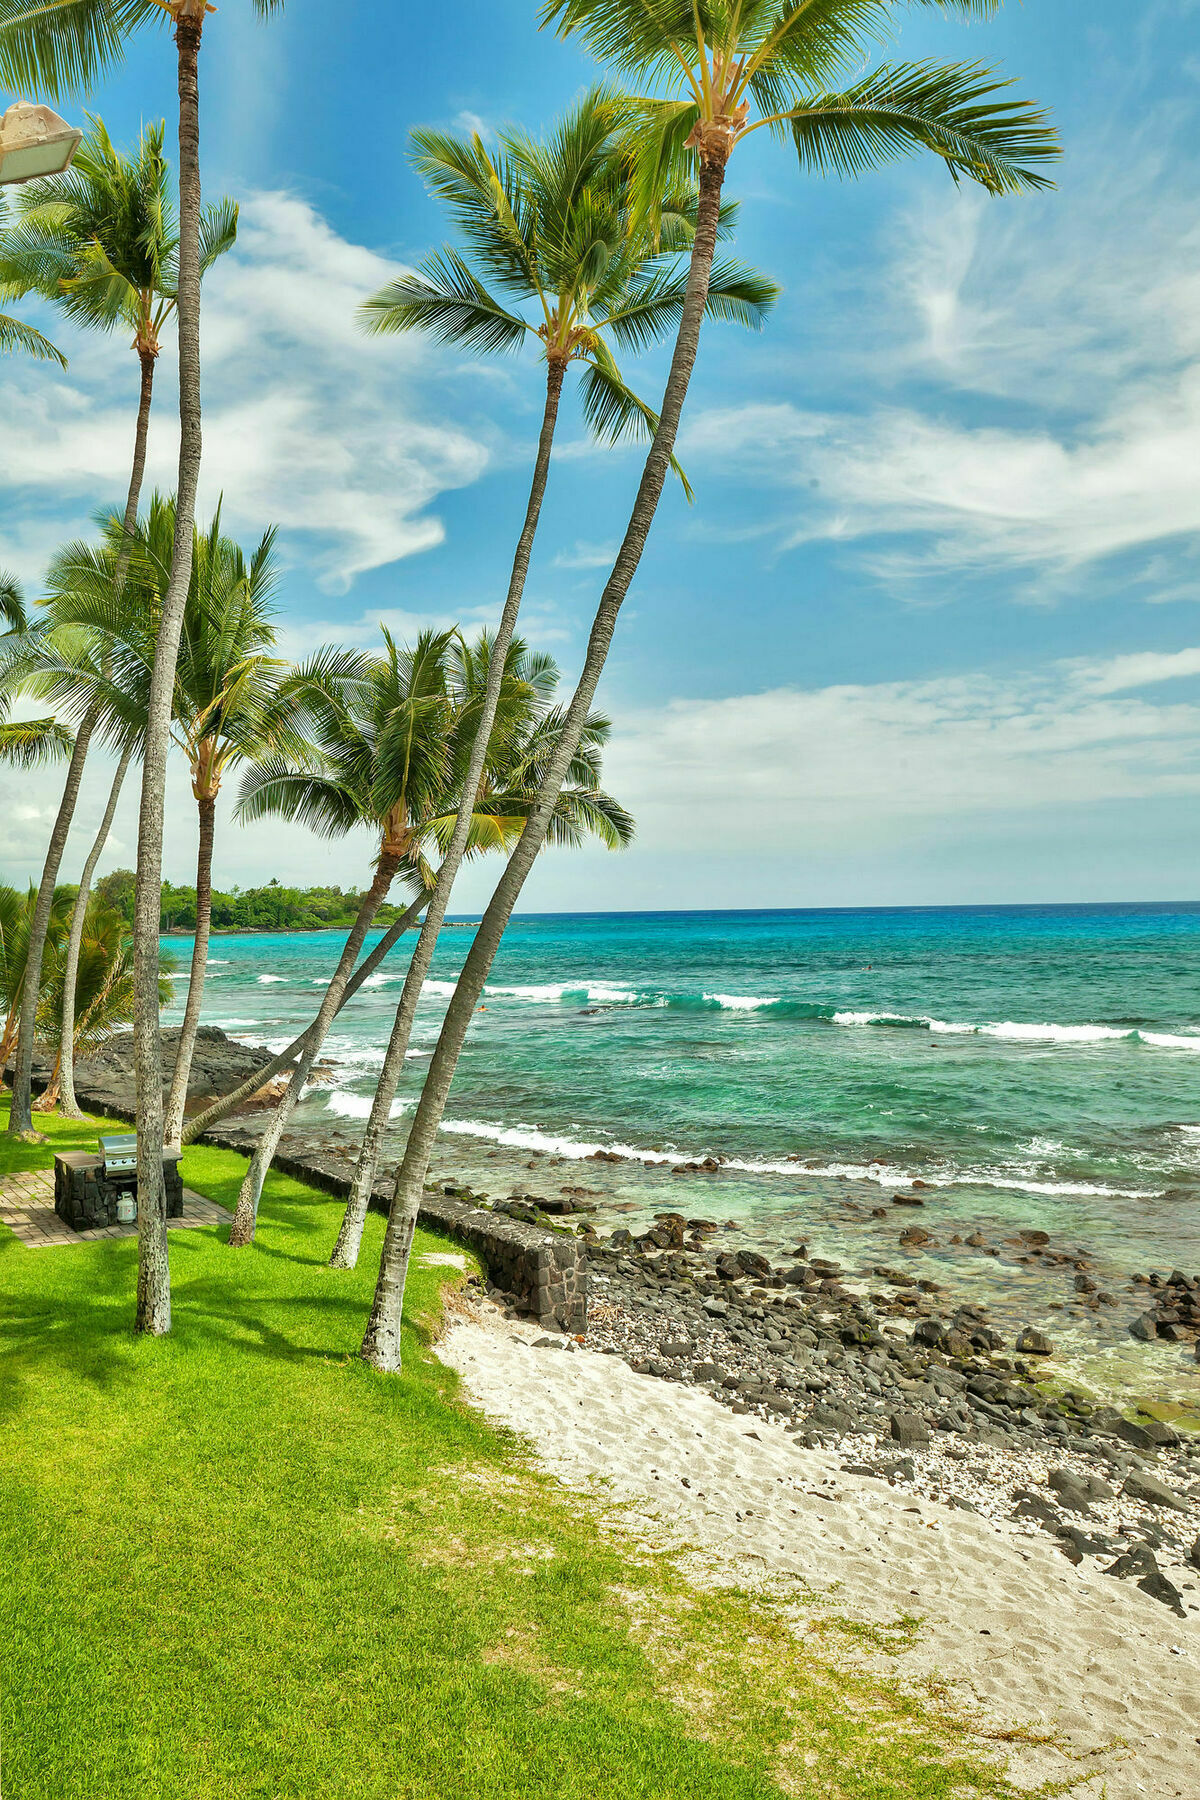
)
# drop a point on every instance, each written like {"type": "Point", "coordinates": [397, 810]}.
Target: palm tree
{"type": "Point", "coordinates": [357, 782]}
{"type": "Point", "coordinates": [229, 696]}
{"type": "Point", "coordinates": [715, 60]}
{"type": "Point", "coordinates": [231, 704]}
{"type": "Point", "coordinates": [16, 922]}
{"type": "Point", "coordinates": [518, 755]}
{"type": "Point", "coordinates": [551, 225]}
{"type": "Point", "coordinates": [102, 242]}
{"type": "Point", "coordinates": [56, 46]}
{"type": "Point", "coordinates": [379, 727]}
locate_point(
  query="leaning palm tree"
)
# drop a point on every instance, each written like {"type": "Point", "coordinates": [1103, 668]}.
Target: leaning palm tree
{"type": "Point", "coordinates": [57, 46]}
{"type": "Point", "coordinates": [102, 243]}
{"type": "Point", "coordinates": [550, 224]}
{"type": "Point", "coordinates": [518, 755]}
{"type": "Point", "coordinates": [724, 69]}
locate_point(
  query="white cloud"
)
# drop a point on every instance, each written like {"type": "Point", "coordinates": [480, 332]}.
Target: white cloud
{"type": "Point", "coordinates": [587, 556]}
{"type": "Point", "coordinates": [308, 424]}
{"type": "Point", "coordinates": [792, 769]}
{"type": "Point", "coordinates": [1031, 374]}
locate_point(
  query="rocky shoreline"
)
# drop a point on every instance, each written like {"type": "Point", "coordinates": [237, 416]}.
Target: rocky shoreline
{"type": "Point", "coordinates": [941, 1406]}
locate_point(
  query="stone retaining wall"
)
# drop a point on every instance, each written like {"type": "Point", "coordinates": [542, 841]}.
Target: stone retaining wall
{"type": "Point", "coordinates": [545, 1270]}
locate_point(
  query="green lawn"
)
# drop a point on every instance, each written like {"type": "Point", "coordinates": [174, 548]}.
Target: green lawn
{"type": "Point", "coordinates": [237, 1562]}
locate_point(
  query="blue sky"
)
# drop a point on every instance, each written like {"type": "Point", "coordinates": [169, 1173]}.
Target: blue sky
{"type": "Point", "coordinates": [929, 632]}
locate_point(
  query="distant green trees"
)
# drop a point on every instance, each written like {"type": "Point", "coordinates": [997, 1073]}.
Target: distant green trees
{"type": "Point", "coordinates": [270, 908]}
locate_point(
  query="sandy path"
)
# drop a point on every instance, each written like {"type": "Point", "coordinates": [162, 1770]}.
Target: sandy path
{"type": "Point", "coordinates": [1033, 1639]}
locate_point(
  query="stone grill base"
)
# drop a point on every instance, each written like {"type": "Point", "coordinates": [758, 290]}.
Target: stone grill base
{"type": "Point", "coordinates": [84, 1200]}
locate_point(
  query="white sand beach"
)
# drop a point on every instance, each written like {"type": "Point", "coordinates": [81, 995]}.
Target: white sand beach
{"type": "Point", "coordinates": [1025, 1638]}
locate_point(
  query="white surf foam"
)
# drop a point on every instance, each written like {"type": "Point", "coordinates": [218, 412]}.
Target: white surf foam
{"type": "Point", "coordinates": [530, 1137]}
{"type": "Point", "coordinates": [358, 1106]}
{"type": "Point", "coordinates": [883, 1018]}
{"type": "Point", "coordinates": [266, 980]}
{"type": "Point", "coordinates": [741, 1002]}
{"type": "Point", "coordinates": [1053, 1034]}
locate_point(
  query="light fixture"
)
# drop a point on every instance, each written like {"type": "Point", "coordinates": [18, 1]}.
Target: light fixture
{"type": "Point", "coordinates": [34, 142]}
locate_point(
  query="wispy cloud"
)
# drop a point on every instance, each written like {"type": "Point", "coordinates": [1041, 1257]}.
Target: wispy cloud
{"type": "Point", "coordinates": [1033, 382]}
{"type": "Point", "coordinates": [308, 424]}
{"type": "Point", "coordinates": [586, 556]}
{"type": "Point", "coordinates": [846, 764]}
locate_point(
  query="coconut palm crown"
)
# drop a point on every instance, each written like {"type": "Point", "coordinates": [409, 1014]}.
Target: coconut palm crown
{"type": "Point", "coordinates": [727, 68]}
{"type": "Point", "coordinates": [102, 241]}
{"type": "Point", "coordinates": [547, 228]}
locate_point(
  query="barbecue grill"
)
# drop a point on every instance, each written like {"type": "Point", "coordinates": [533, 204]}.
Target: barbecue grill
{"type": "Point", "coordinates": [118, 1159]}
{"type": "Point", "coordinates": [93, 1192]}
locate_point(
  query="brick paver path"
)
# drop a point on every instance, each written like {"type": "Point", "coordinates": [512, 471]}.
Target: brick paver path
{"type": "Point", "coordinates": [27, 1208]}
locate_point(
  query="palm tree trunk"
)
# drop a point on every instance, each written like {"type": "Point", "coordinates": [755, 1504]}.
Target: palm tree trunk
{"type": "Point", "coordinates": [345, 1251]}
{"type": "Point", "coordinates": [381, 1341]}
{"type": "Point", "coordinates": [242, 1230]}
{"type": "Point", "coordinates": [286, 1058]}
{"type": "Point", "coordinates": [154, 1273]}
{"type": "Point", "coordinates": [20, 1119]}
{"type": "Point", "coordinates": [68, 1104]}
{"type": "Point", "coordinates": [177, 1098]}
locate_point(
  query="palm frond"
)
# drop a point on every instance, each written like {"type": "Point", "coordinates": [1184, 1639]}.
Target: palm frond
{"type": "Point", "coordinates": [445, 299]}
{"type": "Point", "coordinates": [12, 603]}
{"type": "Point", "coordinates": [655, 303]}
{"type": "Point", "coordinates": [614, 412]}
{"type": "Point", "coordinates": [14, 335]}
{"type": "Point", "coordinates": [28, 743]}
{"type": "Point", "coordinates": [270, 788]}
{"type": "Point", "coordinates": [61, 47]}
{"type": "Point", "coordinates": [953, 110]}
{"type": "Point", "coordinates": [218, 231]}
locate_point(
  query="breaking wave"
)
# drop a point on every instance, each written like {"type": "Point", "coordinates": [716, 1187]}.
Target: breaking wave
{"type": "Point", "coordinates": [618, 994]}
{"type": "Point", "coordinates": [358, 1106]}
{"type": "Point", "coordinates": [530, 1137]}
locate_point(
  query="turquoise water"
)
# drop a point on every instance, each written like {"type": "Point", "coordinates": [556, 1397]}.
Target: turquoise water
{"type": "Point", "coordinates": [1033, 1065]}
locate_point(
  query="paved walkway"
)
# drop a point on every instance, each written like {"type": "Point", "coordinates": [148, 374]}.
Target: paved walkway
{"type": "Point", "coordinates": [27, 1208]}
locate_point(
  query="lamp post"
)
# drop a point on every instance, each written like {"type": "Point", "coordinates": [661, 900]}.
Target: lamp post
{"type": "Point", "coordinates": [34, 142]}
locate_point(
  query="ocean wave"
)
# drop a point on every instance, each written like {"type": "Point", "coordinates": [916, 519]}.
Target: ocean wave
{"type": "Point", "coordinates": [531, 1137]}
{"type": "Point", "coordinates": [586, 991]}
{"type": "Point", "coordinates": [358, 1106]}
{"type": "Point", "coordinates": [267, 980]}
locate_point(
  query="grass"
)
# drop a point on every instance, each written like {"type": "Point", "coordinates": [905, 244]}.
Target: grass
{"type": "Point", "coordinates": [240, 1563]}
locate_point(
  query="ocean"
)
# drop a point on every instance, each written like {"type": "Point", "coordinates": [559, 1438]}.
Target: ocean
{"type": "Point", "coordinates": [1033, 1067]}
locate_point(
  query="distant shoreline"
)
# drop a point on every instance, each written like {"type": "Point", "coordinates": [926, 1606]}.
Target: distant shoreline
{"type": "Point", "coordinates": [185, 931]}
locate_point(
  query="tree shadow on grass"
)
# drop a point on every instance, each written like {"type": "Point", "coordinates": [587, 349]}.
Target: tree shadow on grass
{"type": "Point", "coordinates": [76, 1321]}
